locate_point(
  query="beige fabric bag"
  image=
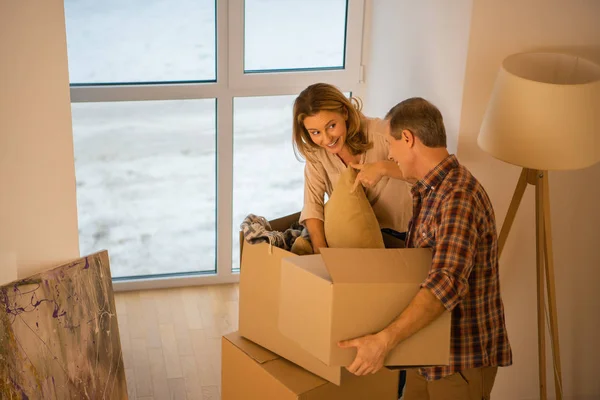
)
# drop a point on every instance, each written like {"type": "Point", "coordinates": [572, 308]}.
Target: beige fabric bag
{"type": "Point", "coordinates": [349, 219]}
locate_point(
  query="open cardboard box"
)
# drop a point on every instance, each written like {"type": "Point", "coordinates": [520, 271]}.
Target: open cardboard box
{"type": "Point", "coordinates": [260, 276]}
{"type": "Point", "coordinates": [250, 372]}
{"type": "Point", "coordinates": [347, 293]}
{"type": "Point", "coordinates": [260, 297]}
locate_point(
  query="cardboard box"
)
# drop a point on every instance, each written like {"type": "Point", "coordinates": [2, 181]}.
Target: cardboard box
{"type": "Point", "coordinates": [260, 277]}
{"type": "Point", "coordinates": [347, 293]}
{"type": "Point", "coordinates": [250, 372]}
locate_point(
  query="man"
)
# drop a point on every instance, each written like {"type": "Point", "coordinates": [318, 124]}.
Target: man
{"type": "Point", "coordinates": [453, 215]}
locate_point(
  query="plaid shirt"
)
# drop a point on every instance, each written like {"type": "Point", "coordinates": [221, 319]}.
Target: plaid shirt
{"type": "Point", "coordinates": [454, 216]}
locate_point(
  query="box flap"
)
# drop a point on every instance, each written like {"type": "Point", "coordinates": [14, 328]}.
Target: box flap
{"type": "Point", "coordinates": [259, 302]}
{"type": "Point", "coordinates": [254, 351]}
{"type": "Point", "coordinates": [313, 264]}
{"type": "Point", "coordinates": [283, 223]}
{"type": "Point", "coordinates": [376, 265]}
{"type": "Point", "coordinates": [241, 247]}
{"type": "Point", "coordinates": [305, 304]}
{"type": "Point", "coordinates": [296, 379]}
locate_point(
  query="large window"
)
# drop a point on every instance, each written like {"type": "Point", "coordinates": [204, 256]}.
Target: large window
{"type": "Point", "coordinates": [182, 121]}
{"type": "Point", "coordinates": [146, 184]}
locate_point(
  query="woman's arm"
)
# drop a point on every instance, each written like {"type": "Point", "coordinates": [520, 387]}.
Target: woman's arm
{"type": "Point", "coordinates": [316, 231]}
{"type": "Point", "coordinates": [313, 211]}
{"type": "Point", "coordinates": [370, 174]}
{"type": "Point", "coordinates": [391, 169]}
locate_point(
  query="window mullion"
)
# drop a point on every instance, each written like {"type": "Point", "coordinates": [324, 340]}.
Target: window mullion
{"type": "Point", "coordinates": [224, 183]}
{"type": "Point", "coordinates": [224, 141]}
{"type": "Point", "coordinates": [235, 44]}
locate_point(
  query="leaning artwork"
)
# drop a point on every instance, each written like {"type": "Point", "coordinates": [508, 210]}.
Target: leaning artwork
{"type": "Point", "coordinates": [59, 337]}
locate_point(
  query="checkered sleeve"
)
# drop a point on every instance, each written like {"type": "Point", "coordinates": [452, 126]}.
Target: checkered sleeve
{"type": "Point", "coordinates": [454, 250]}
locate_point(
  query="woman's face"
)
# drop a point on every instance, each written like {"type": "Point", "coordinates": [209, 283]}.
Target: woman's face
{"type": "Point", "coordinates": [327, 129]}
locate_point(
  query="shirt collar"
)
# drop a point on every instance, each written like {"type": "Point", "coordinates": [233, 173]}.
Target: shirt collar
{"type": "Point", "coordinates": [435, 177]}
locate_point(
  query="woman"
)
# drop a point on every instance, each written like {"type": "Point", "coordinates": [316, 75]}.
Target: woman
{"type": "Point", "coordinates": [331, 133]}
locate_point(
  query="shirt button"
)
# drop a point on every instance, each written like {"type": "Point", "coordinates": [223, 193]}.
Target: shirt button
{"type": "Point", "coordinates": [424, 234]}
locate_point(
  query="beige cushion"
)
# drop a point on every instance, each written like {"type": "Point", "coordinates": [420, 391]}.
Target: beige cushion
{"type": "Point", "coordinates": [349, 219]}
{"type": "Point", "coordinates": [301, 246]}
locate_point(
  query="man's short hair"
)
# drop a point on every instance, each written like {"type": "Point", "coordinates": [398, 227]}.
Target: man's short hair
{"type": "Point", "coordinates": [420, 117]}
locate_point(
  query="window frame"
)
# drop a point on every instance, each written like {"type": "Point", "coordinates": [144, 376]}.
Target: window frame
{"type": "Point", "coordinates": [231, 82]}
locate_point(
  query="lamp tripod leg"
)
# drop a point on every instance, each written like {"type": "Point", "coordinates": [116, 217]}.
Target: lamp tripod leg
{"type": "Point", "coordinates": [512, 210]}
{"type": "Point", "coordinates": [550, 288]}
{"type": "Point", "coordinates": [540, 245]}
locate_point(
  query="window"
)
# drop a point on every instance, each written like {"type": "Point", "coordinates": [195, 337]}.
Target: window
{"type": "Point", "coordinates": [182, 123]}
{"type": "Point", "coordinates": [268, 180]}
{"type": "Point", "coordinates": [305, 39]}
{"type": "Point", "coordinates": [115, 41]}
{"type": "Point", "coordinates": [146, 185]}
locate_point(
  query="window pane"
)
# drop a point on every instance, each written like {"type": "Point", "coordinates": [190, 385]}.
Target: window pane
{"type": "Point", "coordinates": [268, 180]}
{"type": "Point", "coordinates": [294, 34]}
{"type": "Point", "coordinates": [146, 184]}
{"type": "Point", "coordinates": [140, 41]}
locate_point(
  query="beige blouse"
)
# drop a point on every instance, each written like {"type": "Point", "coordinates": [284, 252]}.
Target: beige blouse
{"type": "Point", "coordinates": [390, 198]}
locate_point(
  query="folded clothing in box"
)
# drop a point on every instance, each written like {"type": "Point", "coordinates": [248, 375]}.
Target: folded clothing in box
{"type": "Point", "coordinates": [295, 238]}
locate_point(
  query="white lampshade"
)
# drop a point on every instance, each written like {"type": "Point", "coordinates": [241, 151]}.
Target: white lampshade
{"type": "Point", "coordinates": [544, 112]}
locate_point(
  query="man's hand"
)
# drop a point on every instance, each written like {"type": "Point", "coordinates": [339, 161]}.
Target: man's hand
{"type": "Point", "coordinates": [371, 353]}
{"type": "Point", "coordinates": [368, 175]}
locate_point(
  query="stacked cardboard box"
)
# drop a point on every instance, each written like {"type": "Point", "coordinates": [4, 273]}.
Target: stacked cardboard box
{"type": "Point", "coordinates": [294, 309]}
{"type": "Point", "coordinates": [251, 372]}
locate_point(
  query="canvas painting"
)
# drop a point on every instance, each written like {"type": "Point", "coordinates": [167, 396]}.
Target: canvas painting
{"type": "Point", "coordinates": [59, 337]}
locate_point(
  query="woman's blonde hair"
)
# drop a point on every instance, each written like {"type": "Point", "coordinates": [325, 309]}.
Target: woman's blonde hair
{"type": "Point", "coordinates": [325, 97]}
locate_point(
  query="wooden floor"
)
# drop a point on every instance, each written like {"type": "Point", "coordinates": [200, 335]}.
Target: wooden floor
{"type": "Point", "coordinates": [171, 340]}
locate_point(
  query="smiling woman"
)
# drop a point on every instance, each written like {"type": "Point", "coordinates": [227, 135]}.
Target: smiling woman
{"type": "Point", "coordinates": [332, 134]}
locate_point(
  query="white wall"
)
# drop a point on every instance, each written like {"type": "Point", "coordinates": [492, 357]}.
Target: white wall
{"type": "Point", "coordinates": [417, 48]}
{"type": "Point", "coordinates": [449, 53]}
{"type": "Point", "coordinates": [499, 29]}
{"type": "Point", "coordinates": [38, 209]}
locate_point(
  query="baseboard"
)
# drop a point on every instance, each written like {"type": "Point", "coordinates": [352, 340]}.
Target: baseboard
{"type": "Point", "coordinates": [582, 397]}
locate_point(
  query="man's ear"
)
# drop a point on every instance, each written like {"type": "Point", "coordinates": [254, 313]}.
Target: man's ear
{"type": "Point", "coordinates": [408, 137]}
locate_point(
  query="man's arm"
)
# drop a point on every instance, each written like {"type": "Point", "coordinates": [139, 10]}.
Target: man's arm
{"type": "Point", "coordinates": [372, 349]}
{"type": "Point", "coordinates": [422, 310]}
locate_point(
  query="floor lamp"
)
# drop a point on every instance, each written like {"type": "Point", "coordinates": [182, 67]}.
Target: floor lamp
{"type": "Point", "coordinates": [543, 114]}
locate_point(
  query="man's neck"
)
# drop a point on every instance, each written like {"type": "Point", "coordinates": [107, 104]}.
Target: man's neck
{"type": "Point", "coordinates": [430, 158]}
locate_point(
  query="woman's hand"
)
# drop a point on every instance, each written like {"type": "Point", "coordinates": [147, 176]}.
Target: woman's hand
{"type": "Point", "coordinates": [369, 174]}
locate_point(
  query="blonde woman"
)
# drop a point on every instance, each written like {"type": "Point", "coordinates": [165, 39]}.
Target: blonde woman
{"type": "Point", "coordinates": [331, 133]}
